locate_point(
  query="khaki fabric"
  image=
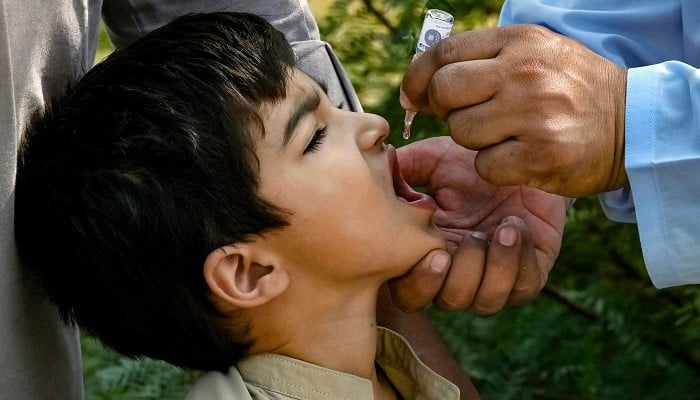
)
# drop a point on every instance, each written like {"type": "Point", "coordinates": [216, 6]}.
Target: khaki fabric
{"type": "Point", "coordinates": [276, 377]}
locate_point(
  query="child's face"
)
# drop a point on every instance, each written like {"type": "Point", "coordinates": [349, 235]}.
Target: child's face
{"type": "Point", "coordinates": [334, 174]}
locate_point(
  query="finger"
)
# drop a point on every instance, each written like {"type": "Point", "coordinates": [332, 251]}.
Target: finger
{"type": "Point", "coordinates": [502, 267]}
{"type": "Point", "coordinates": [462, 84]}
{"type": "Point", "coordinates": [465, 274]}
{"type": "Point", "coordinates": [417, 288]}
{"type": "Point", "coordinates": [472, 45]}
{"type": "Point", "coordinates": [483, 125]}
{"type": "Point", "coordinates": [531, 276]}
{"type": "Point", "coordinates": [418, 160]}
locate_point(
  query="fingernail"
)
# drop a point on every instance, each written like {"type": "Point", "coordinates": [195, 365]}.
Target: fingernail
{"type": "Point", "coordinates": [405, 102]}
{"type": "Point", "coordinates": [479, 235]}
{"type": "Point", "coordinates": [510, 218]}
{"type": "Point", "coordinates": [507, 236]}
{"type": "Point", "coordinates": [439, 262]}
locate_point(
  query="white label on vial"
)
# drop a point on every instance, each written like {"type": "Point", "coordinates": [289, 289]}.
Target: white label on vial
{"type": "Point", "coordinates": [436, 26]}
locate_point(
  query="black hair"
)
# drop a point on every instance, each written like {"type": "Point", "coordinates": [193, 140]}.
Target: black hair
{"type": "Point", "coordinates": [130, 179]}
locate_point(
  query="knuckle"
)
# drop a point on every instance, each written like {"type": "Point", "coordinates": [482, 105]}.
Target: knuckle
{"type": "Point", "coordinates": [485, 310]}
{"type": "Point", "coordinates": [532, 32]}
{"type": "Point", "coordinates": [419, 296]}
{"type": "Point", "coordinates": [411, 307]}
{"type": "Point", "coordinates": [446, 305]}
{"type": "Point", "coordinates": [527, 69]}
{"type": "Point", "coordinates": [440, 90]}
{"type": "Point", "coordinates": [436, 98]}
{"type": "Point", "coordinates": [463, 124]}
{"type": "Point", "coordinates": [527, 290]}
{"type": "Point", "coordinates": [523, 294]}
{"type": "Point", "coordinates": [455, 301]}
{"type": "Point", "coordinates": [525, 54]}
{"type": "Point", "coordinates": [407, 300]}
{"type": "Point", "coordinates": [446, 51]}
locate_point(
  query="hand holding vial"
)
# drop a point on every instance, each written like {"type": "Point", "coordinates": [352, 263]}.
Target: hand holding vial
{"type": "Point", "coordinates": [542, 109]}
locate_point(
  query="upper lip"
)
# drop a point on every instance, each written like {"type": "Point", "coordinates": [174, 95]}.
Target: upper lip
{"type": "Point", "coordinates": [401, 187]}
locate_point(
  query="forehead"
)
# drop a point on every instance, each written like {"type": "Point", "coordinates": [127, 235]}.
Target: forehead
{"type": "Point", "coordinates": [297, 85]}
{"type": "Point", "coordinates": [275, 115]}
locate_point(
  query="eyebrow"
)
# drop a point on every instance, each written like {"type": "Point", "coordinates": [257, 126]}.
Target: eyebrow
{"type": "Point", "coordinates": [308, 105]}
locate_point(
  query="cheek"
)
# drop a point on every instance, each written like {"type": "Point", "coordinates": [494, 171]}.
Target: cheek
{"type": "Point", "coordinates": [341, 184]}
{"type": "Point", "coordinates": [344, 214]}
{"type": "Point", "coordinates": [331, 229]}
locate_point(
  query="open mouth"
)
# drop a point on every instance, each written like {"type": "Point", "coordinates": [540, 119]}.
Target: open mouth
{"type": "Point", "coordinates": [401, 187]}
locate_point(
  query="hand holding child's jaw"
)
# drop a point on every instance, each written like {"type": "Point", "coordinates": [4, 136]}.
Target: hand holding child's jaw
{"type": "Point", "coordinates": [476, 276]}
{"type": "Point", "coordinates": [525, 226]}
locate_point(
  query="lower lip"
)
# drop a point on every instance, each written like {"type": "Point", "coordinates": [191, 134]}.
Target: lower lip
{"type": "Point", "coordinates": [425, 202]}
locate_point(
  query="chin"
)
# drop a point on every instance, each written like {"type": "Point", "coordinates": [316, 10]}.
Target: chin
{"type": "Point", "coordinates": [436, 244]}
{"type": "Point", "coordinates": [437, 238]}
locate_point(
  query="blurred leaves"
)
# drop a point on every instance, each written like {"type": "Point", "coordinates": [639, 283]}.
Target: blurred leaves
{"type": "Point", "coordinates": [110, 376]}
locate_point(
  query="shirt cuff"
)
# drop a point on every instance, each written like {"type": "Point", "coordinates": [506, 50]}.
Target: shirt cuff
{"type": "Point", "coordinates": [643, 86]}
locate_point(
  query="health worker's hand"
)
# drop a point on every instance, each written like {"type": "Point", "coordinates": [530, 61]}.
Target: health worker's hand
{"type": "Point", "coordinates": [524, 225]}
{"type": "Point", "coordinates": [542, 109]}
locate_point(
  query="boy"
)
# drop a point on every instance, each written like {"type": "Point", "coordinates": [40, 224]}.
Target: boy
{"type": "Point", "coordinates": [197, 199]}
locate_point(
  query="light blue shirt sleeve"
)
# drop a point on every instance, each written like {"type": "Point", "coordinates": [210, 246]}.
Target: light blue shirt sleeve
{"type": "Point", "coordinates": [659, 43]}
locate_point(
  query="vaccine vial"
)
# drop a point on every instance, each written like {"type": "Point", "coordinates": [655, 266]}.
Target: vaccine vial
{"type": "Point", "coordinates": [437, 25]}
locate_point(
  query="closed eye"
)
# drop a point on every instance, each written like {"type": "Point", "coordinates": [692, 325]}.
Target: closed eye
{"type": "Point", "coordinates": [316, 140]}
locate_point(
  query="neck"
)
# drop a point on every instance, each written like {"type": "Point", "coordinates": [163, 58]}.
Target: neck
{"type": "Point", "coordinates": [334, 331]}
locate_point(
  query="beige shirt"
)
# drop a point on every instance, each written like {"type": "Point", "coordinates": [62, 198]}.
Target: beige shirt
{"type": "Point", "coordinates": [272, 376]}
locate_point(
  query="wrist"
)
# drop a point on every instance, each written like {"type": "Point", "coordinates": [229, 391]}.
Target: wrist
{"type": "Point", "coordinates": [618, 178]}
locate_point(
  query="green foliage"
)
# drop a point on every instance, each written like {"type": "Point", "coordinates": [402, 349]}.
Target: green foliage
{"type": "Point", "coordinates": [110, 376]}
{"type": "Point", "coordinates": [104, 45]}
{"type": "Point", "coordinates": [599, 330]}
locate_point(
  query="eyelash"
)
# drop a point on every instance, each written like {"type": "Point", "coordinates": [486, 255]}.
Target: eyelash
{"type": "Point", "coordinates": [319, 136]}
{"type": "Point", "coordinates": [316, 141]}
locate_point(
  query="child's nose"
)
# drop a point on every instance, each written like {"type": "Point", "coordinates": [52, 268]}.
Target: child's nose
{"type": "Point", "coordinates": [373, 131]}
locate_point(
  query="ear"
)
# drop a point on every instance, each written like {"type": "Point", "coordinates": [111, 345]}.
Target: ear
{"type": "Point", "coordinates": [245, 275]}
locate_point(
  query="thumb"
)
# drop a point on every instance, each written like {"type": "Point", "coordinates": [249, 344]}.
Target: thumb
{"type": "Point", "coordinates": [417, 288]}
